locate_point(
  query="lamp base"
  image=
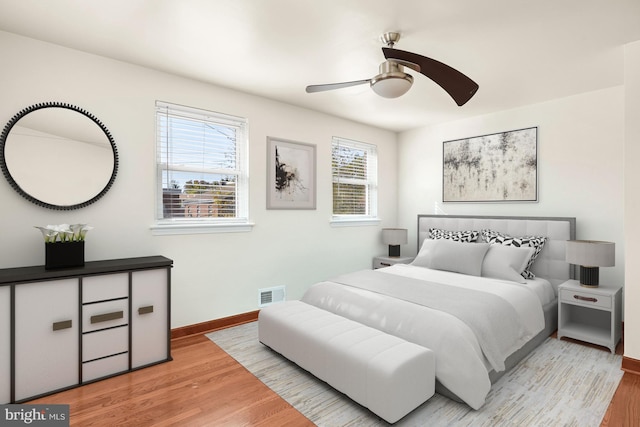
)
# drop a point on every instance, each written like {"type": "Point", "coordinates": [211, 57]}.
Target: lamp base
{"type": "Point", "coordinates": [589, 276]}
{"type": "Point", "coordinates": [394, 250]}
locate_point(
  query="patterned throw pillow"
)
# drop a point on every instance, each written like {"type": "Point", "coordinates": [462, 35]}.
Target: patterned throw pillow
{"type": "Point", "coordinates": [456, 236]}
{"type": "Point", "coordinates": [535, 242]}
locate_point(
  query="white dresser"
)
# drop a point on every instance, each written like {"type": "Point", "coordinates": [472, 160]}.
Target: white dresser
{"type": "Point", "coordinates": [5, 347]}
{"type": "Point", "coordinates": [63, 328]}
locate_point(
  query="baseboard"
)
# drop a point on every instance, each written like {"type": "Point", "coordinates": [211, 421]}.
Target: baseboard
{"type": "Point", "coordinates": [214, 325]}
{"type": "Point", "coordinates": [630, 365]}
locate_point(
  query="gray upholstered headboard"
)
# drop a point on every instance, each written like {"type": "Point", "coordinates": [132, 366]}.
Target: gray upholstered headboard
{"type": "Point", "coordinates": [550, 263]}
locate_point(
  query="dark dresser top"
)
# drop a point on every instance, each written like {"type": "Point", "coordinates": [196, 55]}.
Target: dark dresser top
{"type": "Point", "coordinates": [37, 273]}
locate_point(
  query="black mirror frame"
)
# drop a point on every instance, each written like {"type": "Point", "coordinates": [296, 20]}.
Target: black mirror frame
{"type": "Point", "coordinates": [16, 186]}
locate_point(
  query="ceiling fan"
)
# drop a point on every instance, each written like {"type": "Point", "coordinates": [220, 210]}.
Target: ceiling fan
{"type": "Point", "coordinates": [392, 81]}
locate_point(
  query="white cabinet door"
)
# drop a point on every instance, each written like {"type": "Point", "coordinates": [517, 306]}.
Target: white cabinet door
{"type": "Point", "coordinates": [5, 344]}
{"type": "Point", "coordinates": [149, 317]}
{"type": "Point", "coordinates": [47, 337]}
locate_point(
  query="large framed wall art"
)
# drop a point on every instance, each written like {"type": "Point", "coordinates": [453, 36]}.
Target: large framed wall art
{"type": "Point", "coordinates": [291, 174]}
{"type": "Point", "coordinates": [500, 167]}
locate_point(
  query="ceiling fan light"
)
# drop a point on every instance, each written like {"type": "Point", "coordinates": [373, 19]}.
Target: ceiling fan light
{"type": "Point", "coordinates": [392, 86]}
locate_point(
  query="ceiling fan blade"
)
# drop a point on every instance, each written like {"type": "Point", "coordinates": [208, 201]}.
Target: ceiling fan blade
{"type": "Point", "coordinates": [460, 87]}
{"type": "Point", "coordinates": [332, 86]}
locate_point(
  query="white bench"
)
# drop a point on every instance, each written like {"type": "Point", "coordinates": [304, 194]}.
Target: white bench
{"type": "Point", "coordinates": [384, 373]}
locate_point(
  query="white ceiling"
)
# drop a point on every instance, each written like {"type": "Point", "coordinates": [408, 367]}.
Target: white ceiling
{"type": "Point", "coordinates": [519, 52]}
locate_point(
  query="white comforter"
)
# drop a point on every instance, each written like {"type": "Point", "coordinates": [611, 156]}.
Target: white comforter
{"type": "Point", "coordinates": [460, 363]}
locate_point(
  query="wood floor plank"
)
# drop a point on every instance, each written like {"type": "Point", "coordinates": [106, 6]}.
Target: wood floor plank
{"type": "Point", "coordinates": [205, 386]}
{"type": "Point", "coordinates": [624, 409]}
{"type": "Point", "coordinates": [201, 386]}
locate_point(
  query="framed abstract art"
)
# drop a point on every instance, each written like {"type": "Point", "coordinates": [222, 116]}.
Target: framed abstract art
{"type": "Point", "coordinates": [291, 174]}
{"type": "Point", "coordinates": [500, 167]}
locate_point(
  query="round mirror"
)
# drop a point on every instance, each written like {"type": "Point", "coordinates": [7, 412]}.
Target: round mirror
{"type": "Point", "coordinates": [58, 156]}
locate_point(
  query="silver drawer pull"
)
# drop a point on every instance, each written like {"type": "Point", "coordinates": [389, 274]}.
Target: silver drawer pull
{"type": "Point", "coordinates": [145, 310]}
{"type": "Point", "coordinates": [107, 316]}
{"type": "Point", "coordinates": [65, 324]}
{"type": "Point", "coordinates": [581, 298]}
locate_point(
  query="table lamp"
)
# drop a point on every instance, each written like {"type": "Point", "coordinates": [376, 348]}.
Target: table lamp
{"type": "Point", "coordinates": [590, 255]}
{"type": "Point", "coordinates": [394, 237]}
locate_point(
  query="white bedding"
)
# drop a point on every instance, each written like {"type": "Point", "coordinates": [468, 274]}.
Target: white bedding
{"type": "Point", "coordinates": [541, 287]}
{"type": "Point", "coordinates": [460, 363]}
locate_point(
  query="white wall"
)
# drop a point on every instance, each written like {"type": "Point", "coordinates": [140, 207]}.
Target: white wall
{"type": "Point", "coordinates": [215, 275]}
{"type": "Point", "coordinates": [580, 167]}
{"type": "Point", "coordinates": [632, 200]}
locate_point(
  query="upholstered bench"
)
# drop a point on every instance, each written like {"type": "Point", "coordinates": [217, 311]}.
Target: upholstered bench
{"type": "Point", "coordinates": [384, 373]}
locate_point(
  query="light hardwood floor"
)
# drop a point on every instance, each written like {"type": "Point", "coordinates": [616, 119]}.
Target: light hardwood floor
{"type": "Point", "coordinates": [204, 386]}
{"type": "Point", "coordinates": [624, 409]}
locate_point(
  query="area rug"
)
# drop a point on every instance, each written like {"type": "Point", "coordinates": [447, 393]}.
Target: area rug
{"type": "Point", "coordinates": [558, 384]}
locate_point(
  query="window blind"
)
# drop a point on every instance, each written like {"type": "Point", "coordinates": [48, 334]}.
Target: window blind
{"type": "Point", "coordinates": [354, 172]}
{"type": "Point", "coordinates": [202, 172]}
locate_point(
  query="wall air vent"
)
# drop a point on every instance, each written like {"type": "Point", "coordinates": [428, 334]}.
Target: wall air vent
{"type": "Point", "coordinates": [270, 296]}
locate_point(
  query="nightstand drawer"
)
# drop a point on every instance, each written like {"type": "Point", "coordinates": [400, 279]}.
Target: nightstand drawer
{"type": "Point", "coordinates": [383, 261]}
{"type": "Point", "coordinates": [380, 264]}
{"type": "Point", "coordinates": [584, 298]}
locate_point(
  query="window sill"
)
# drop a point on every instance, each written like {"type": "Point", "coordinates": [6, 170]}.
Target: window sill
{"type": "Point", "coordinates": [354, 222]}
{"type": "Point", "coordinates": [168, 229]}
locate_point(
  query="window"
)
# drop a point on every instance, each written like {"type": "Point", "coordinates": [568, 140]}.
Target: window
{"type": "Point", "coordinates": [354, 167]}
{"type": "Point", "coordinates": [201, 168]}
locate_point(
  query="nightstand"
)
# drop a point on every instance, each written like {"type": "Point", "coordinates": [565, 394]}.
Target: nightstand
{"type": "Point", "coordinates": [593, 315]}
{"type": "Point", "coordinates": [386, 261]}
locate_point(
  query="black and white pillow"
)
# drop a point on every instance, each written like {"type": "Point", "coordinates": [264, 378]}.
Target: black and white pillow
{"type": "Point", "coordinates": [535, 242]}
{"type": "Point", "coordinates": [457, 236]}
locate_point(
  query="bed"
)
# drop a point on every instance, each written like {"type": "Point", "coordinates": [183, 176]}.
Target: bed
{"type": "Point", "coordinates": [474, 346]}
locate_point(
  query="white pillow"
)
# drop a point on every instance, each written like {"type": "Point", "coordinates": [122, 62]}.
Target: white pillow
{"type": "Point", "coordinates": [448, 255]}
{"type": "Point", "coordinates": [536, 242]}
{"type": "Point", "coordinates": [506, 262]}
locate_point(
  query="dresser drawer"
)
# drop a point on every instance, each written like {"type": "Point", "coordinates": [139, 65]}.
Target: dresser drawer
{"type": "Point", "coordinates": [105, 367]}
{"type": "Point", "coordinates": [104, 287]}
{"type": "Point", "coordinates": [584, 298]}
{"type": "Point", "coordinates": [104, 315]}
{"type": "Point", "coordinates": [105, 343]}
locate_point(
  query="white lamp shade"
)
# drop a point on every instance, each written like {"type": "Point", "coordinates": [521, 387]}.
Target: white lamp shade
{"type": "Point", "coordinates": [591, 253]}
{"type": "Point", "coordinates": [392, 87]}
{"type": "Point", "coordinates": [394, 236]}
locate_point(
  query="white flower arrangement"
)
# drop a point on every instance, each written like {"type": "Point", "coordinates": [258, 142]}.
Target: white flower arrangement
{"type": "Point", "coordinates": [64, 232]}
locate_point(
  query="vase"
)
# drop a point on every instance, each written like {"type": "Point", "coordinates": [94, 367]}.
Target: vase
{"type": "Point", "coordinates": [64, 255]}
